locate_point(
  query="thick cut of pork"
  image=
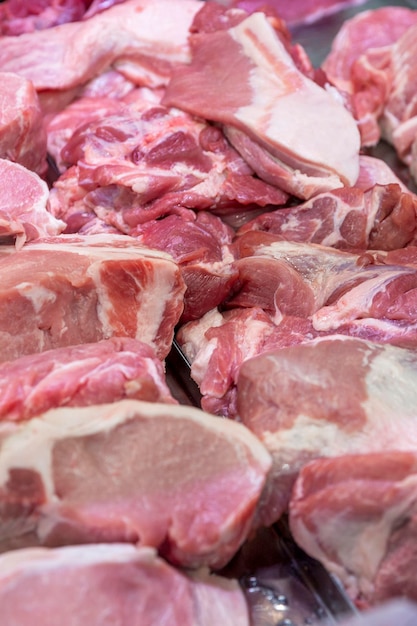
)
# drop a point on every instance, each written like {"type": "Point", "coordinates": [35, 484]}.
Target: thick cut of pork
{"type": "Point", "coordinates": [91, 373]}
{"type": "Point", "coordinates": [22, 136]}
{"type": "Point", "coordinates": [357, 514]}
{"type": "Point", "coordinates": [202, 246]}
{"type": "Point", "coordinates": [141, 38]}
{"type": "Point", "coordinates": [67, 291]}
{"type": "Point", "coordinates": [331, 287]}
{"type": "Point", "coordinates": [23, 202]}
{"type": "Point", "coordinates": [112, 584]}
{"type": "Point", "coordinates": [146, 161]}
{"type": "Point", "coordinates": [292, 132]}
{"type": "Point", "coordinates": [360, 63]}
{"type": "Point", "coordinates": [332, 396]}
{"type": "Point", "coordinates": [217, 344]}
{"type": "Point", "coordinates": [381, 218]}
{"type": "Point", "coordinates": [167, 476]}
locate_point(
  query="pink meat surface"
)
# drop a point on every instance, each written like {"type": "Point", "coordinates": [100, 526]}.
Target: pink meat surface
{"type": "Point", "coordinates": [283, 123]}
{"type": "Point", "coordinates": [18, 17]}
{"type": "Point", "coordinates": [23, 201]}
{"type": "Point", "coordinates": [142, 38]}
{"type": "Point", "coordinates": [357, 515]}
{"type": "Point", "coordinates": [91, 373]}
{"type": "Point", "coordinates": [298, 12]}
{"type": "Point", "coordinates": [145, 162]}
{"type": "Point", "coordinates": [360, 63]}
{"type": "Point", "coordinates": [166, 476]}
{"type": "Point", "coordinates": [382, 217]}
{"type": "Point", "coordinates": [202, 246]}
{"type": "Point", "coordinates": [216, 350]}
{"type": "Point", "coordinates": [67, 291]}
{"type": "Point", "coordinates": [332, 396]}
{"type": "Point", "coordinates": [22, 136]}
{"type": "Point", "coordinates": [399, 118]}
{"type": "Point", "coordinates": [331, 287]}
{"type": "Point", "coordinates": [116, 583]}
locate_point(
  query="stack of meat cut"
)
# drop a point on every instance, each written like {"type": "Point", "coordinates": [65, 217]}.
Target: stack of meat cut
{"type": "Point", "coordinates": [185, 172]}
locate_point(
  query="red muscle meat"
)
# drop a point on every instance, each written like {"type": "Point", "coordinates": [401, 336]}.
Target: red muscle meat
{"type": "Point", "coordinates": [18, 17]}
{"type": "Point", "coordinates": [91, 373]}
{"type": "Point", "coordinates": [94, 584]}
{"type": "Point", "coordinates": [22, 136]}
{"type": "Point", "coordinates": [383, 217]}
{"type": "Point", "coordinates": [332, 287]}
{"type": "Point", "coordinates": [357, 515]}
{"type": "Point", "coordinates": [141, 38]}
{"type": "Point", "coordinates": [79, 290]}
{"type": "Point", "coordinates": [23, 200]}
{"type": "Point", "coordinates": [147, 161]}
{"type": "Point", "coordinates": [167, 476]}
{"type": "Point", "coordinates": [201, 245]}
{"type": "Point", "coordinates": [282, 123]}
{"type": "Point", "coordinates": [332, 396]}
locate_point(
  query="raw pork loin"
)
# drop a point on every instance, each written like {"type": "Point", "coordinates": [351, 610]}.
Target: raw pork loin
{"type": "Point", "coordinates": [91, 373]}
{"type": "Point", "coordinates": [329, 397]}
{"type": "Point", "coordinates": [291, 131]}
{"type": "Point", "coordinates": [357, 514]}
{"type": "Point", "coordinates": [22, 136]}
{"type": "Point", "coordinates": [117, 584]}
{"type": "Point", "coordinates": [23, 200]}
{"type": "Point", "coordinates": [161, 475]}
{"type": "Point", "coordinates": [68, 290]}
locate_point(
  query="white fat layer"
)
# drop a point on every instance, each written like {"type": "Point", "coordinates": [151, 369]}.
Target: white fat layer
{"type": "Point", "coordinates": [358, 300]}
{"type": "Point", "coordinates": [101, 246]}
{"type": "Point", "coordinates": [38, 295]}
{"type": "Point", "coordinates": [151, 299]}
{"type": "Point", "coordinates": [33, 560]}
{"type": "Point", "coordinates": [390, 409]}
{"type": "Point", "coordinates": [324, 133]}
{"type": "Point", "coordinates": [30, 446]}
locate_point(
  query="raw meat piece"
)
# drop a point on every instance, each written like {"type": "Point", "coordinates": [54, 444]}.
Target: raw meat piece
{"type": "Point", "coordinates": [374, 28]}
{"type": "Point", "coordinates": [331, 287]}
{"type": "Point", "coordinates": [117, 584]}
{"type": "Point", "coordinates": [22, 136]}
{"type": "Point", "coordinates": [357, 514]}
{"type": "Point", "coordinates": [375, 171]}
{"type": "Point", "coordinates": [91, 373]}
{"type": "Point", "coordinates": [159, 475]}
{"type": "Point", "coordinates": [383, 217]}
{"type": "Point", "coordinates": [298, 12]}
{"type": "Point", "coordinates": [360, 63]}
{"type": "Point", "coordinates": [399, 117]}
{"type": "Point", "coordinates": [148, 162]}
{"type": "Point", "coordinates": [143, 39]}
{"type": "Point", "coordinates": [282, 123]}
{"type": "Point", "coordinates": [66, 291]}
{"type": "Point", "coordinates": [23, 200]}
{"type": "Point", "coordinates": [332, 396]}
{"type": "Point", "coordinates": [218, 343]}
{"type": "Point", "coordinates": [18, 16]}
{"type": "Point", "coordinates": [201, 245]}
{"type": "Point", "coordinates": [215, 349]}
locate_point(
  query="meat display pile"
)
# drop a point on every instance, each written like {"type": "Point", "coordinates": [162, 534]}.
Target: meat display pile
{"type": "Point", "coordinates": [185, 172]}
